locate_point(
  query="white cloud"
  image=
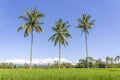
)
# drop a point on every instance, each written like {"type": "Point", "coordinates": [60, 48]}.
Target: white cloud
{"type": "Point", "coordinates": [15, 61]}
{"type": "Point", "coordinates": [37, 61]}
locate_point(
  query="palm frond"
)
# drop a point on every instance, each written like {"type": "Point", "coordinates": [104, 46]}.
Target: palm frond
{"type": "Point", "coordinates": [21, 27]}
{"type": "Point", "coordinates": [56, 40]}
{"type": "Point", "coordinates": [25, 34]}
{"type": "Point", "coordinates": [28, 30]}
{"type": "Point", "coordinates": [80, 21]}
{"type": "Point", "coordinates": [40, 23]}
{"type": "Point", "coordinates": [61, 39]}
{"type": "Point", "coordinates": [32, 21]}
{"type": "Point", "coordinates": [85, 23]}
{"type": "Point", "coordinates": [39, 29]}
{"type": "Point", "coordinates": [61, 32]}
{"type": "Point", "coordinates": [77, 26]}
{"type": "Point", "coordinates": [92, 22]}
{"type": "Point", "coordinates": [40, 15]}
{"type": "Point", "coordinates": [53, 37]}
{"type": "Point", "coordinates": [27, 12]}
{"type": "Point", "coordinates": [67, 35]}
{"type": "Point", "coordinates": [66, 43]}
{"type": "Point", "coordinates": [88, 17]}
{"type": "Point", "coordinates": [54, 29]}
{"type": "Point", "coordinates": [24, 18]}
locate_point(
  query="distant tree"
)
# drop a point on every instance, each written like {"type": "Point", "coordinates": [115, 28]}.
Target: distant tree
{"type": "Point", "coordinates": [32, 23]}
{"type": "Point", "coordinates": [85, 24]}
{"type": "Point", "coordinates": [67, 65]}
{"type": "Point", "coordinates": [109, 62]}
{"type": "Point", "coordinates": [26, 65]}
{"type": "Point", "coordinates": [4, 65]}
{"type": "Point", "coordinates": [91, 62]}
{"type": "Point", "coordinates": [10, 66]}
{"type": "Point", "coordinates": [55, 64]}
{"type": "Point", "coordinates": [100, 64]}
{"type": "Point", "coordinates": [60, 36]}
{"type": "Point", "coordinates": [117, 58]}
{"type": "Point", "coordinates": [81, 63]}
{"type": "Point", "coordinates": [7, 65]}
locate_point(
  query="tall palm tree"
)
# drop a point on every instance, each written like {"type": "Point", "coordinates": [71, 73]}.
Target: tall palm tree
{"type": "Point", "coordinates": [60, 36]}
{"type": "Point", "coordinates": [85, 24]}
{"type": "Point", "coordinates": [32, 23]}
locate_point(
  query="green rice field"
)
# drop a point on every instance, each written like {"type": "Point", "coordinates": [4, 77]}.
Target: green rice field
{"type": "Point", "coordinates": [63, 74]}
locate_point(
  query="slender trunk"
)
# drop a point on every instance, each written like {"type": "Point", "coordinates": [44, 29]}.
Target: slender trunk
{"type": "Point", "coordinates": [115, 61]}
{"type": "Point", "coordinates": [31, 50]}
{"type": "Point", "coordinates": [59, 54]}
{"type": "Point", "coordinates": [87, 63]}
{"type": "Point", "coordinates": [118, 61]}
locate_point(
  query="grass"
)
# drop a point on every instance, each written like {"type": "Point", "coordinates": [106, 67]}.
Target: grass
{"type": "Point", "coordinates": [63, 74]}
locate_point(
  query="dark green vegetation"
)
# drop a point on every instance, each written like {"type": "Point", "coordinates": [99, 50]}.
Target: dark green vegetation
{"type": "Point", "coordinates": [63, 74]}
{"type": "Point", "coordinates": [99, 63]}
{"type": "Point", "coordinates": [60, 36]}
{"type": "Point", "coordinates": [93, 63]}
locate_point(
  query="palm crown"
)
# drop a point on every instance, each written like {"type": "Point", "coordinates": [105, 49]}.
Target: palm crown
{"type": "Point", "coordinates": [84, 23]}
{"type": "Point", "coordinates": [32, 22]}
{"type": "Point", "coordinates": [61, 33]}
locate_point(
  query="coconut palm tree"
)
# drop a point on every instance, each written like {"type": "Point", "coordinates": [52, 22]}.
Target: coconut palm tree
{"type": "Point", "coordinates": [32, 23]}
{"type": "Point", "coordinates": [60, 36]}
{"type": "Point", "coordinates": [85, 24]}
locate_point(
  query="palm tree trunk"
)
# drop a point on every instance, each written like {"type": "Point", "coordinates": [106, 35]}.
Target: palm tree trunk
{"type": "Point", "coordinates": [31, 50]}
{"type": "Point", "coordinates": [115, 61]}
{"type": "Point", "coordinates": [87, 63]}
{"type": "Point", "coordinates": [59, 54]}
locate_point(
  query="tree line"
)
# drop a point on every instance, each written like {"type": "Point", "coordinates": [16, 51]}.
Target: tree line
{"type": "Point", "coordinates": [109, 62]}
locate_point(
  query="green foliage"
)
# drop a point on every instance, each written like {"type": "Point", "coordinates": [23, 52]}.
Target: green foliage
{"type": "Point", "coordinates": [62, 65]}
{"type": "Point", "coordinates": [84, 23]}
{"type": "Point", "coordinates": [63, 74]}
{"type": "Point", "coordinates": [7, 66]}
{"type": "Point", "coordinates": [61, 33]}
{"type": "Point", "coordinates": [92, 63]}
{"type": "Point", "coordinates": [32, 21]}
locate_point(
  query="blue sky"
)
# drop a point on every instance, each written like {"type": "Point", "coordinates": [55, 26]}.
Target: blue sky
{"type": "Point", "coordinates": [103, 40]}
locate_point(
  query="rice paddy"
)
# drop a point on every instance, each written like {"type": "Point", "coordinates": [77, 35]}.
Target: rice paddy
{"type": "Point", "coordinates": [63, 74]}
